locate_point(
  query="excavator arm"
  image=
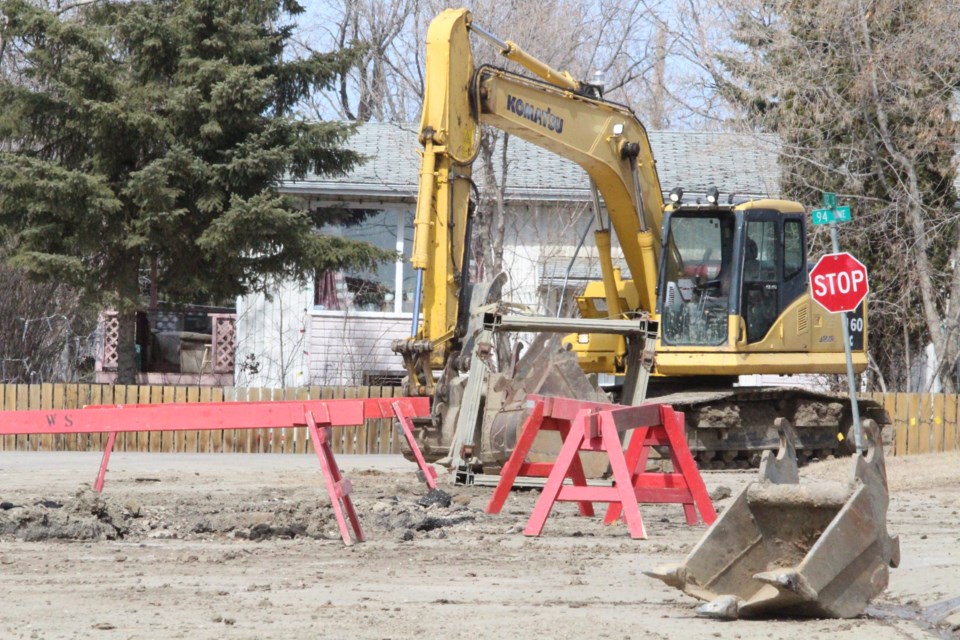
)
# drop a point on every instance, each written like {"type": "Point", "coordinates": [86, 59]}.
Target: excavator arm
{"type": "Point", "coordinates": [609, 143]}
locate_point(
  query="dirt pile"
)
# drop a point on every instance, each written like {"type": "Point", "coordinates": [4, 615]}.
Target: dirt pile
{"type": "Point", "coordinates": [85, 516]}
{"type": "Point", "coordinates": [266, 516]}
{"type": "Point", "coordinates": [245, 546]}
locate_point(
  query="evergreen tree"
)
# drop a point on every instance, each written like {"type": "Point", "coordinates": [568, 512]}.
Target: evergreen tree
{"type": "Point", "coordinates": [158, 130]}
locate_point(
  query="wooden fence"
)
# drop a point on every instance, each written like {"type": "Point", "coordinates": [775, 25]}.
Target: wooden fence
{"type": "Point", "coordinates": [923, 423]}
{"type": "Point", "coordinates": [374, 436]}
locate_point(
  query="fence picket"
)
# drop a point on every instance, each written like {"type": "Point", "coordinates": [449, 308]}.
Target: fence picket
{"type": "Point", "coordinates": [386, 426]}
{"type": "Point", "coordinates": [315, 393]}
{"type": "Point", "coordinates": [950, 426]}
{"type": "Point", "coordinates": [22, 403]}
{"type": "Point", "coordinates": [154, 439]}
{"type": "Point", "coordinates": [34, 402]}
{"type": "Point", "coordinates": [230, 394]}
{"type": "Point", "coordinates": [9, 400]}
{"type": "Point", "coordinates": [180, 437]}
{"type": "Point", "coordinates": [336, 433]}
{"type": "Point", "coordinates": [925, 418]}
{"type": "Point", "coordinates": [255, 437]}
{"type": "Point", "coordinates": [94, 396]}
{"type": "Point", "coordinates": [350, 433]}
{"type": "Point", "coordinates": [168, 442]}
{"type": "Point", "coordinates": [902, 423]}
{"type": "Point", "coordinates": [286, 433]}
{"type": "Point", "coordinates": [936, 432]}
{"type": "Point", "coordinates": [50, 442]}
{"type": "Point", "coordinates": [192, 437]}
{"type": "Point", "coordinates": [121, 396]}
{"type": "Point", "coordinates": [272, 438]}
{"type": "Point", "coordinates": [217, 395]}
{"type": "Point", "coordinates": [244, 438]}
{"type": "Point", "coordinates": [360, 433]}
{"type": "Point", "coordinates": [206, 437]}
{"type": "Point", "coordinates": [299, 434]}
{"type": "Point", "coordinates": [373, 427]}
{"type": "Point", "coordinates": [71, 401]}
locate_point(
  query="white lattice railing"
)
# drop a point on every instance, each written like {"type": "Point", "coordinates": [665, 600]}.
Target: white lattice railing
{"type": "Point", "coordinates": [110, 324]}
{"type": "Point", "coordinates": [221, 352]}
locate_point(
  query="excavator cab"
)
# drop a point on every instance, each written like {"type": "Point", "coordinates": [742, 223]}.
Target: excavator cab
{"type": "Point", "coordinates": [729, 273]}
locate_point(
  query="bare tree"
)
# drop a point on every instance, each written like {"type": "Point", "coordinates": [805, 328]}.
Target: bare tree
{"type": "Point", "coordinates": [45, 333]}
{"type": "Point", "coordinates": [862, 93]}
{"type": "Point", "coordinates": [633, 45]}
{"type": "Point", "coordinates": [385, 81]}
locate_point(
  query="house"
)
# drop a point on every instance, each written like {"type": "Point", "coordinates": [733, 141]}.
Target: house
{"type": "Point", "coordinates": [339, 329]}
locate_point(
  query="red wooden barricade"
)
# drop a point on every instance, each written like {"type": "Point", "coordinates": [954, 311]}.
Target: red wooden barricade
{"type": "Point", "coordinates": [427, 471]}
{"type": "Point", "coordinates": [589, 426]}
{"type": "Point", "coordinates": [317, 415]}
{"type": "Point", "coordinates": [546, 414]}
{"type": "Point", "coordinates": [338, 487]}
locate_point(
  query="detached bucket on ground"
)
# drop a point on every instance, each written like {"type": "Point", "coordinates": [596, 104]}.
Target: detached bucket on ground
{"type": "Point", "coordinates": [786, 549]}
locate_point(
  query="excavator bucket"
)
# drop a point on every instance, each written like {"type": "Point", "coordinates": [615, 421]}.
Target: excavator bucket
{"type": "Point", "coordinates": [786, 549]}
{"type": "Point", "coordinates": [546, 369]}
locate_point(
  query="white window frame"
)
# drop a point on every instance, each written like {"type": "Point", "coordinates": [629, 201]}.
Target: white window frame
{"type": "Point", "coordinates": [400, 213]}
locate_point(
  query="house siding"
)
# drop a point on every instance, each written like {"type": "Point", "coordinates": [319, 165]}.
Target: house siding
{"type": "Point", "coordinates": [272, 338]}
{"type": "Point", "coordinates": [344, 346]}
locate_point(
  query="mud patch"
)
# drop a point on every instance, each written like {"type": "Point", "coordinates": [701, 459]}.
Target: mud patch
{"type": "Point", "coordinates": [86, 516]}
{"type": "Point", "coordinates": [264, 519]}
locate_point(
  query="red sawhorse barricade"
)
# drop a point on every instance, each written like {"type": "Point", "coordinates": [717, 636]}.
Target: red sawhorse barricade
{"type": "Point", "coordinates": [427, 472]}
{"type": "Point", "coordinates": [317, 415]}
{"type": "Point", "coordinates": [591, 426]}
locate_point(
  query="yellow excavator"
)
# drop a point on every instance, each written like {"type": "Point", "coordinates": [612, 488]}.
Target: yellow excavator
{"type": "Point", "coordinates": [715, 290]}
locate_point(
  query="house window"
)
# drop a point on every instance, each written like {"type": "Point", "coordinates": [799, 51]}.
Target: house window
{"type": "Point", "coordinates": [388, 288]}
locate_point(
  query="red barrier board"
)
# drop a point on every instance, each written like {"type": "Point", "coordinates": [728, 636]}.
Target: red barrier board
{"type": "Point", "coordinates": [190, 416]}
{"type": "Point", "coordinates": [317, 415]}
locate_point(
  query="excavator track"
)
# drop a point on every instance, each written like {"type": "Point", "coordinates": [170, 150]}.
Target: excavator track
{"type": "Point", "coordinates": [727, 428]}
{"type": "Point", "coordinates": [730, 429]}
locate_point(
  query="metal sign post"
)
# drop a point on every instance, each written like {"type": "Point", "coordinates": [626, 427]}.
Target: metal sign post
{"type": "Point", "coordinates": [831, 215]}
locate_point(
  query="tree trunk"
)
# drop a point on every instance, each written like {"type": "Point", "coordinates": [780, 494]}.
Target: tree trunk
{"type": "Point", "coordinates": [127, 297]}
{"type": "Point", "coordinates": [500, 226]}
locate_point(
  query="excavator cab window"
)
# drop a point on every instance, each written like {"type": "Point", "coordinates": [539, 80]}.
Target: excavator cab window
{"type": "Point", "coordinates": [697, 278]}
{"type": "Point", "coordinates": [760, 277]}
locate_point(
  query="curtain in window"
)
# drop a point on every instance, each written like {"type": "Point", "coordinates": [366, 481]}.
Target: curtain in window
{"type": "Point", "coordinates": [325, 291]}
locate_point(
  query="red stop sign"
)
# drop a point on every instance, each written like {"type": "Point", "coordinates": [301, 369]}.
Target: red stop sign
{"type": "Point", "coordinates": [839, 282]}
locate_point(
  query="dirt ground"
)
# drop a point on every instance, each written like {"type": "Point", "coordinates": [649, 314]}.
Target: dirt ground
{"type": "Point", "coordinates": [245, 546]}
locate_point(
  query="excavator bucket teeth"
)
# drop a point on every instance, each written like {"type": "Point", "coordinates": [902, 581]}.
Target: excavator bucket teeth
{"type": "Point", "coordinates": [546, 369]}
{"type": "Point", "coordinates": [786, 549]}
